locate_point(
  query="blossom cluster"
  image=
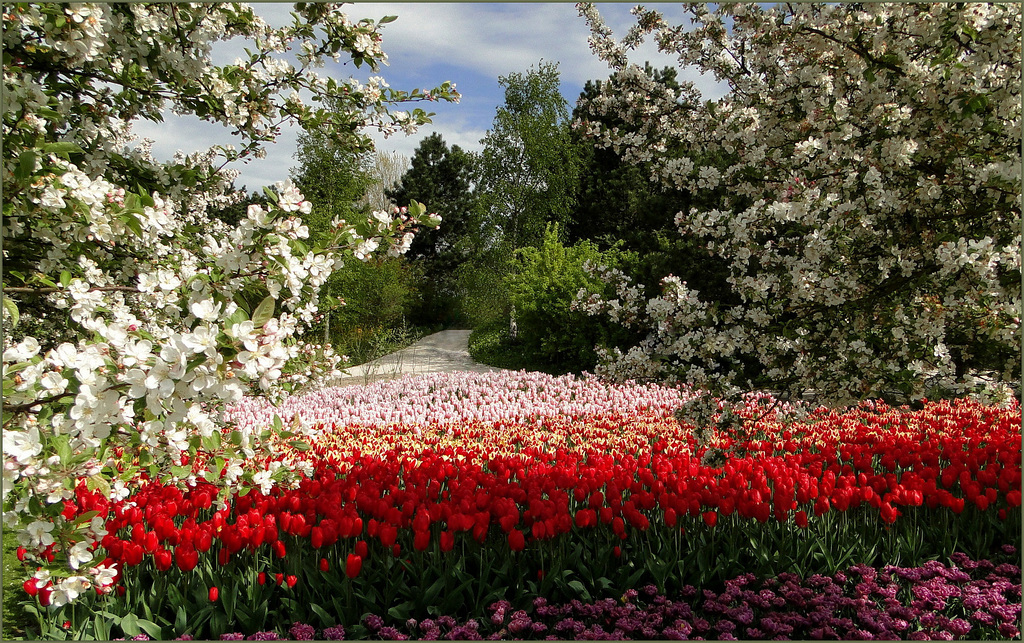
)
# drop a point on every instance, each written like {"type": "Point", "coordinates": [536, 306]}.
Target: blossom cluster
{"type": "Point", "coordinates": [860, 178]}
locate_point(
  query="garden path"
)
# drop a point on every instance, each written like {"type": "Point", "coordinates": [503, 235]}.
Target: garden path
{"type": "Point", "coordinates": [443, 352]}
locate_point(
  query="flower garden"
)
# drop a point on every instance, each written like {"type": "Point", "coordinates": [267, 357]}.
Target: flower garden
{"type": "Point", "coordinates": [524, 506]}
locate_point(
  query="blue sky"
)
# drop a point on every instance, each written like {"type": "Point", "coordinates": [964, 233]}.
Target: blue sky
{"type": "Point", "coordinates": [470, 44]}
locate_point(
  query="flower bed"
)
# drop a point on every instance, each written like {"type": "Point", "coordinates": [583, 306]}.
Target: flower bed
{"type": "Point", "coordinates": [587, 493]}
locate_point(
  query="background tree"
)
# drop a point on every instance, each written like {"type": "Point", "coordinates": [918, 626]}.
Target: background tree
{"type": "Point", "coordinates": [385, 170]}
{"type": "Point", "coordinates": [446, 179]}
{"type": "Point", "coordinates": [529, 167]}
{"type": "Point", "coordinates": [363, 300]}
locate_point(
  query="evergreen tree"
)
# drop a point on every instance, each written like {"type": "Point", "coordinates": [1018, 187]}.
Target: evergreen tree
{"type": "Point", "coordinates": [445, 179]}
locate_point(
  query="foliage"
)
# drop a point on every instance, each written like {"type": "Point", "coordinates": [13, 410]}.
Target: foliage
{"type": "Point", "coordinates": [379, 295]}
{"type": "Point", "coordinates": [15, 620]}
{"type": "Point", "coordinates": [862, 187]}
{"type": "Point", "coordinates": [482, 292]}
{"type": "Point", "coordinates": [167, 314]}
{"type": "Point", "coordinates": [492, 345]}
{"type": "Point", "coordinates": [529, 166]}
{"type": "Point", "coordinates": [543, 289]}
{"type": "Point", "coordinates": [444, 178]}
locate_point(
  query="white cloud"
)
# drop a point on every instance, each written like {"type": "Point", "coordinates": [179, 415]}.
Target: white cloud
{"type": "Point", "coordinates": [461, 42]}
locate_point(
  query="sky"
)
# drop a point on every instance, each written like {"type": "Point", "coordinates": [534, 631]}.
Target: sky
{"type": "Point", "coordinates": [469, 44]}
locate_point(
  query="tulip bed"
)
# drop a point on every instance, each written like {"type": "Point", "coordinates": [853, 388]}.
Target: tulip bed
{"type": "Point", "coordinates": [458, 496]}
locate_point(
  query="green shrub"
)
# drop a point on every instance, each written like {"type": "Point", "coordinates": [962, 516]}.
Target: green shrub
{"type": "Point", "coordinates": [542, 289]}
{"type": "Point", "coordinates": [378, 296]}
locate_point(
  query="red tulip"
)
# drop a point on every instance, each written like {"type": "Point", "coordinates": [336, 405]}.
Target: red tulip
{"type": "Point", "coordinates": [214, 594]}
{"type": "Point", "coordinates": [421, 540]}
{"type": "Point", "coordinates": [291, 580]}
{"type": "Point", "coordinates": [711, 518]}
{"type": "Point", "coordinates": [30, 587]}
{"type": "Point", "coordinates": [353, 564]}
{"type": "Point", "coordinates": [362, 549]}
{"type": "Point", "coordinates": [670, 517]}
{"type": "Point", "coordinates": [447, 541]}
{"type": "Point", "coordinates": [516, 540]}
{"type": "Point", "coordinates": [261, 578]}
{"type": "Point", "coordinates": [801, 519]}
{"type": "Point", "coordinates": [324, 565]}
{"type": "Point", "coordinates": [186, 557]}
{"type": "Point", "coordinates": [163, 559]}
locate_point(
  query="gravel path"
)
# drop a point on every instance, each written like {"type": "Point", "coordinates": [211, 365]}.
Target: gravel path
{"type": "Point", "coordinates": [442, 352]}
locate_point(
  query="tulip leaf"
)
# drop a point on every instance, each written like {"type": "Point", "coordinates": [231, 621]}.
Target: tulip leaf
{"type": "Point", "coordinates": [180, 619]}
{"type": "Point", "coordinates": [130, 625]}
{"type": "Point", "coordinates": [151, 628]}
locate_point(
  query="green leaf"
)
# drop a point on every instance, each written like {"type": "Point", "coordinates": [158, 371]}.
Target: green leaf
{"type": "Point", "coordinates": [299, 445]}
{"type": "Point", "coordinates": [386, 19]}
{"type": "Point", "coordinates": [65, 278]}
{"type": "Point", "coordinates": [12, 311]}
{"type": "Point", "coordinates": [212, 442]}
{"type": "Point", "coordinates": [151, 628]}
{"type": "Point", "coordinates": [181, 621]}
{"type": "Point", "coordinates": [130, 625]}
{"type": "Point", "coordinates": [62, 147]}
{"type": "Point", "coordinates": [133, 223]}
{"type": "Point", "coordinates": [264, 312]}
{"type": "Point", "coordinates": [26, 165]}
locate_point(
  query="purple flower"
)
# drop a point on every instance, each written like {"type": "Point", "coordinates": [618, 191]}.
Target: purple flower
{"type": "Point", "coordinates": [302, 632]}
{"type": "Point", "coordinates": [1005, 613]}
{"type": "Point", "coordinates": [411, 625]}
{"type": "Point", "coordinates": [1008, 570]}
{"type": "Point", "coordinates": [389, 633]}
{"type": "Point", "coordinates": [446, 621]}
{"type": "Point", "coordinates": [140, 637]}
{"type": "Point", "coordinates": [234, 636]}
{"type": "Point", "coordinates": [184, 637]}
{"type": "Point", "coordinates": [1009, 631]}
{"type": "Point", "coordinates": [373, 622]}
{"type": "Point", "coordinates": [1009, 549]}
{"type": "Point", "coordinates": [520, 627]}
{"type": "Point", "coordinates": [336, 633]}
{"type": "Point", "coordinates": [263, 636]}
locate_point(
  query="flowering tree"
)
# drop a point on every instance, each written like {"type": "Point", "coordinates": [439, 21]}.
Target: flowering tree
{"type": "Point", "coordinates": [870, 159]}
{"type": "Point", "coordinates": [163, 313]}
